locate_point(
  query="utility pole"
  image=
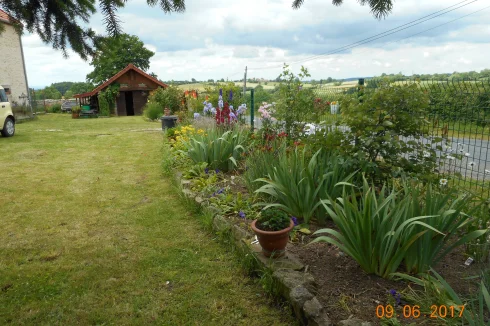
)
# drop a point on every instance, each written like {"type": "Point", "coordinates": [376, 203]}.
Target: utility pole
{"type": "Point", "coordinates": [245, 82]}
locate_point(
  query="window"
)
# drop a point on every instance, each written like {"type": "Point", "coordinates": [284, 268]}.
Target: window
{"type": "Point", "coordinates": [3, 96]}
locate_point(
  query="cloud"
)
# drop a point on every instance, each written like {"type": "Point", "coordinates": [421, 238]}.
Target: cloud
{"type": "Point", "coordinates": [218, 39]}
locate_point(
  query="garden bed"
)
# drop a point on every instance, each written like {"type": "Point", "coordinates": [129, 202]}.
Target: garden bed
{"type": "Point", "coordinates": [388, 211]}
{"type": "Point", "coordinates": [345, 289]}
{"type": "Point", "coordinates": [342, 287]}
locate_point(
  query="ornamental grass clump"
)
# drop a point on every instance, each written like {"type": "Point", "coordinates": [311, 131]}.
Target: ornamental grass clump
{"type": "Point", "coordinates": [220, 149]}
{"type": "Point", "coordinates": [446, 216]}
{"type": "Point", "coordinates": [383, 231]}
{"type": "Point", "coordinates": [297, 182]}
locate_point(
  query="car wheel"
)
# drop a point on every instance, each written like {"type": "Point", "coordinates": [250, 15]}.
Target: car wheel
{"type": "Point", "coordinates": [8, 128]}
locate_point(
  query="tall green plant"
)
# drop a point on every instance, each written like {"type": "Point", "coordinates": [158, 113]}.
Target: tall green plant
{"type": "Point", "coordinates": [295, 104]}
{"type": "Point", "coordinates": [221, 150]}
{"type": "Point", "coordinates": [297, 182]}
{"type": "Point", "coordinates": [447, 217]}
{"type": "Point", "coordinates": [374, 231]}
{"type": "Point", "coordinates": [383, 231]}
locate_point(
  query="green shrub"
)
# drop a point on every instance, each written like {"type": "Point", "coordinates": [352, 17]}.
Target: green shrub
{"type": "Point", "coordinates": [383, 231]}
{"type": "Point", "coordinates": [297, 182]}
{"type": "Point", "coordinates": [153, 110]}
{"type": "Point", "coordinates": [76, 109]}
{"type": "Point", "coordinates": [386, 129]}
{"type": "Point", "coordinates": [220, 149]}
{"type": "Point", "coordinates": [55, 108]}
{"type": "Point", "coordinates": [273, 219]}
{"type": "Point", "coordinates": [170, 97]}
{"type": "Point", "coordinates": [104, 106]}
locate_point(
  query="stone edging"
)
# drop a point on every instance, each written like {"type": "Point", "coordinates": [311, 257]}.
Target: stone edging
{"type": "Point", "coordinates": [293, 283]}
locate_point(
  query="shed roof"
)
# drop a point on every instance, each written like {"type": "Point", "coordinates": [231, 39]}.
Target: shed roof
{"type": "Point", "coordinates": [116, 76]}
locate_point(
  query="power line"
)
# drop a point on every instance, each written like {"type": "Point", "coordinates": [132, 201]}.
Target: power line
{"type": "Point", "coordinates": [380, 35]}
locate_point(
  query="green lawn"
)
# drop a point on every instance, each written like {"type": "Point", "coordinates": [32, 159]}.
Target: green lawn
{"type": "Point", "coordinates": [92, 233]}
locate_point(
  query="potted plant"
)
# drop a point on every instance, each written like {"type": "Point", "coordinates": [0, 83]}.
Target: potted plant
{"type": "Point", "coordinates": [272, 229]}
{"type": "Point", "coordinates": [75, 112]}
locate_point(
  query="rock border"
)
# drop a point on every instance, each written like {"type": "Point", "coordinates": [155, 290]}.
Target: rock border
{"type": "Point", "coordinates": [293, 283]}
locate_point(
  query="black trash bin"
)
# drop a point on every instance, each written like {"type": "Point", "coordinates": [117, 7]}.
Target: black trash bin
{"type": "Point", "coordinates": [168, 121]}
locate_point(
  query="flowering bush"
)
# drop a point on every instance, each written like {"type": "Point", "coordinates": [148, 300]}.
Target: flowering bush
{"type": "Point", "coordinates": [178, 136]}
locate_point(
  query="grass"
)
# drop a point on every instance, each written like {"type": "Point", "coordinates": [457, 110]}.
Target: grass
{"type": "Point", "coordinates": [92, 233]}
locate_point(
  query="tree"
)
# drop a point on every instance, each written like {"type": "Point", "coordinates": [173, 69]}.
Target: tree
{"type": "Point", "coordinates": [114, 54]}
{"type": "Point", "coordinates": [62, 87]}
{"type": "Point", "coordinates": [80, 87]}
{"type": "Point", "coordinates": [379, 8]}
{"type": "Point", "coordinates": [193, 80]}
{"type": "Point", "coordinates": [60, 22]}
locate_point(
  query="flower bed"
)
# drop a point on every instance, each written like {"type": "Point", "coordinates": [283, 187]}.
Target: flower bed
{"type": "Point", "coordinates": [373, 224]}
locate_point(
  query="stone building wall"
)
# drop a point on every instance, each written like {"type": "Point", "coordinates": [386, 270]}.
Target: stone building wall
{"type": "Point", "coordinates": [12, 73]}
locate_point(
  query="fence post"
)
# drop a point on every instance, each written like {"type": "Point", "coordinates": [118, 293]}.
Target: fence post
{"type": "Point", "coordinates": [252, 109]}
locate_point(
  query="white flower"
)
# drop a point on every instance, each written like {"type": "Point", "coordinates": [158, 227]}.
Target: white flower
{"type": "Point", "coordinates": [443, 182]}
{"type": "Point", "coordinates": [449, 157]}
{"type": "Point", "coordinates": [467, 154]}
{"type": "Point", "coordinates": [487, 171]}
{"type": "Point", "coordinates": [426, 154]}
{"type": "Point", "coordinates": [471, 164]}
{"type": "Point", "coordinates": [309, 129]}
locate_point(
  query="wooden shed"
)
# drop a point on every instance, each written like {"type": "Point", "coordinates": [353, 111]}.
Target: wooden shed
{"type": "Point", "coordinates": [134, 87]}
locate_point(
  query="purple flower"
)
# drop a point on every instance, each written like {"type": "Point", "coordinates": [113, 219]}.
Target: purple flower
{"type": "Point", "coordinates": [230, 96]}
{"type": "Point", "coordinates": [220, 92]}
{"type": "Point", "coordinates": [216, 171]}
{"type": "Point", "coordinates": [295, 220]}
{"type": "Point", "coordinates": [241, 214]}
{"type": "Point", "coordinates": [206, 170]}
{"type": "Point", "coordinates": [196, 115]}
{"type": "Point", "coordinates": [233, 116]}
{"type": "Point", "coordinates": [397, 296]}
{"type": "Point", "coordinates": [219, 192]}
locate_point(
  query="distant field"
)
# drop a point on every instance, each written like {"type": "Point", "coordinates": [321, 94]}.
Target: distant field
{"type": "Point", "coordinates": [270, 85]}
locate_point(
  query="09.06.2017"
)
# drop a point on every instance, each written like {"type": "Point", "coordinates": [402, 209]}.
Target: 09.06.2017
{"type": "Point", "coordinates": [413, 311]}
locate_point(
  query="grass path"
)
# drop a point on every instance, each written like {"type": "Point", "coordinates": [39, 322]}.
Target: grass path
{"type": "Point", "coordinates": [91, 233]}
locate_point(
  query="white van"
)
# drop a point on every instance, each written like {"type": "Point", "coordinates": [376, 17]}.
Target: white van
{"type": "Point", "coordinates": [7, 119]}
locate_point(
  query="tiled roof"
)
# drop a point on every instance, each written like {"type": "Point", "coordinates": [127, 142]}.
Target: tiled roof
{"type": "Point", "coordinates": [6, 18]}
{"type": "Point", "coordinates": [119, 74]}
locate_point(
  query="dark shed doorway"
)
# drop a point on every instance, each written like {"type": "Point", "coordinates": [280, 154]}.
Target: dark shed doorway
{"type": "Point", "coordinates": [129, 103]}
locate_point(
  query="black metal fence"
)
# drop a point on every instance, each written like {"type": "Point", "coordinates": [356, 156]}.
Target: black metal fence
{"type": "Point", "coordinates": [459, 113]}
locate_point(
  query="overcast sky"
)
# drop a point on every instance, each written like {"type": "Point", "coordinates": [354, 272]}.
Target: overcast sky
{"type": "Point", "coordinates": [217, 39]}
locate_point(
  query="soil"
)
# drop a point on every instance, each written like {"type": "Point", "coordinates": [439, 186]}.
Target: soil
{"type": "Point", "coordinates": [346, 290]}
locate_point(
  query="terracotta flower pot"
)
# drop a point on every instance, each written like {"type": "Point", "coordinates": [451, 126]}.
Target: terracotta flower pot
{"type": "Point", "coordinates": [75, 115]}
{"type": "Point", "coordinates": [273, 242]}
